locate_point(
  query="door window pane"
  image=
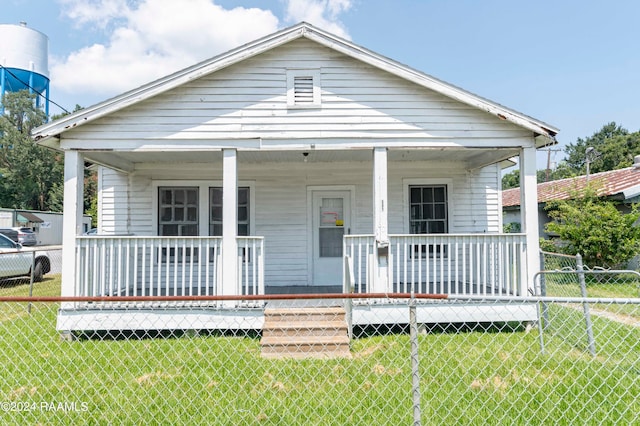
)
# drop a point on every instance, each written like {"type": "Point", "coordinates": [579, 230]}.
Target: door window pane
{"type": "Point", "coordinates": [331, 227]}
{"type": "Point", "coordinates": [331, 241]}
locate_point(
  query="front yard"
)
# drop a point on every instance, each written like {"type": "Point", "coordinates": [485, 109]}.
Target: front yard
{"type": "Point", "coordinates": [469, 375]}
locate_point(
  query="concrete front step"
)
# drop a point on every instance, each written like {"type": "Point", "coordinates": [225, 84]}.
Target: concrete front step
{"type": "Point", "coordinates": [319, 332]}
{"type": "Point", "coordinates": [302, 346]}
{"type": "Point", "coordinates": [305, 314]}
{"type": "Point", "coordinates": [304, 328]}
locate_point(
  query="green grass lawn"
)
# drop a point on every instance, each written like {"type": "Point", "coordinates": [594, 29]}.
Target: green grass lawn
{"type": "Point", "coordinates": [478, 375]}
{"type": "Point", "coordinates": [618, 287]}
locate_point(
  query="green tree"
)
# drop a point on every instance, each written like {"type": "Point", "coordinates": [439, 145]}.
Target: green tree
{"type": "Point", "coordinates": [512, 179]}
{"type": "Point", "coordinates": [29, 172]}
{"type": "Point", "coordinates": [616, 146]}
{"type": "Point", "coordinates": [596, 229]}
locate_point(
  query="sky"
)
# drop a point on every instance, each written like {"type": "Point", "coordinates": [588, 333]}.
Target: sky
{"type": "Point", "coordinates": [574, 64]}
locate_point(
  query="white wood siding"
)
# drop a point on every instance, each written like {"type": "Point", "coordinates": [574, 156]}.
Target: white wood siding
{"type": "Point", "coordinates": [248, 101]}
{"type": "Point", "coordinates": [113, 202]}
{"type": "Point", "coordinates": [281, 202]}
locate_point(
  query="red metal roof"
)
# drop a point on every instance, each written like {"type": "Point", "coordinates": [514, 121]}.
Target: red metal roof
{"type": "Point", "coordinates": [607, 184]}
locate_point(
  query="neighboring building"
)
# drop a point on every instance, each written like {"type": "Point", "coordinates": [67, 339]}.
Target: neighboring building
{"type": "Point", "coordinates": [297, 162]}
{"type": "Point", "coordinates": [46, 225]}
{"type": "Point", "coordinates": [621, 185]}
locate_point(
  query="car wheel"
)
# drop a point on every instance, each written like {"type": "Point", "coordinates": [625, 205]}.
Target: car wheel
{"type": "Point", "coordinates": [37, 271]}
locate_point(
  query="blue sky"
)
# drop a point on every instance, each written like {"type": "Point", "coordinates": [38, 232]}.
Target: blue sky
{"type": "Point", "coordinates": [574, 64]}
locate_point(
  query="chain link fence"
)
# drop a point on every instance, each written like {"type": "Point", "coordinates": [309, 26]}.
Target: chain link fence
{"type": "Point", "coordinates": [284, 362]}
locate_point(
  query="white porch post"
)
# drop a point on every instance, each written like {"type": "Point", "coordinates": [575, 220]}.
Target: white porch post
{"type": "Point", "coordinates": [72, 218]}
{"type": "Point", "coordinates": [229, 285]}
{"type": "Point", "coordinates": [380, 221]}
{"type": "Point", "coordinates": [529, 213]}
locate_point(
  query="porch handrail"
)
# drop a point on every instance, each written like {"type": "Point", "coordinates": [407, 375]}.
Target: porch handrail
{"type": "Point", "coordinates": [108, 265]}
{"type": "Point", "coordinates": [465, 263]}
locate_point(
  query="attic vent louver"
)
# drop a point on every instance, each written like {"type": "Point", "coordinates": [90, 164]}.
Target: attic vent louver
{"type": "Point", "coordinates": [303, 88]}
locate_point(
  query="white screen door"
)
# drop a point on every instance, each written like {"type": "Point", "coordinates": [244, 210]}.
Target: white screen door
{"type": "Point", "coordinates": [331, 221]}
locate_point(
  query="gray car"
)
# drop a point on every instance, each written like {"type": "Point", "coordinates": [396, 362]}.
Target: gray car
{"type": "Point", "coordinates": [26, 236]}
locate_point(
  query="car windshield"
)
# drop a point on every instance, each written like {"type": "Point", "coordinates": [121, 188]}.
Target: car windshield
{"type": "Point", "coordinates": [26, 230]}
{"type": "Point", "coordinates": [6, 242]}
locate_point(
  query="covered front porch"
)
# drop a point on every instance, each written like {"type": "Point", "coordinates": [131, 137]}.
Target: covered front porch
{"type": "Point", "coordinates": [317, 223]}
{"type": "Point", "coordinates": [471, 264]}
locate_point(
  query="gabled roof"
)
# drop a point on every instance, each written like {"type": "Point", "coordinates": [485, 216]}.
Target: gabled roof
{"type": "Point", "coordinates": [622, 184]}
{"type": "Point", "coordinates": [301, 30]}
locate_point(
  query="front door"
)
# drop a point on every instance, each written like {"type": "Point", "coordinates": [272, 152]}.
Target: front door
{"type": "Point", "coordinates": [331, 221]}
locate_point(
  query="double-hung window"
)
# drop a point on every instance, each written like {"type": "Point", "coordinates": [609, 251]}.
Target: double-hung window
{"type": "Point", "coordinates": [428, 213]}
{"type": "Point", "coordinates": [180, 215]}
{"type": "Point", "coordinates": [178, 211]}
{"type": "Point", "coordinates": [215, 211]}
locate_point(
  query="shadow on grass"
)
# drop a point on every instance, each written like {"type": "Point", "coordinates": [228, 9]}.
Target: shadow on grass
{"type": "Point", "coordinates": [451, 328]}
{"type": "Point", "coordinates": [115, 335]}
{"type": "Point", "coordinates": [18, 281]}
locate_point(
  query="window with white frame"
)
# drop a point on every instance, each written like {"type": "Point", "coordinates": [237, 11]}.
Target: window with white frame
{"type": "Point", "coordinates": [178, 211]}
{"type": "Point", "coordinates": [428, 209]}
{"type": "Point", "coordinates": [428, 214]}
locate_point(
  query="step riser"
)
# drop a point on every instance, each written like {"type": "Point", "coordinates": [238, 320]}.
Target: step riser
{"type": "Point", "coordinates": [331, 332]}
{"type": "Point", "coordinates": [305, 349]}
{"type": "Point", "coordinates": [319, 317]}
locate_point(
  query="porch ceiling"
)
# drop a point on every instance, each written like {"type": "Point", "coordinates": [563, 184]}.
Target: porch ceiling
{"type": "Point", "coordinates": [472, 157]}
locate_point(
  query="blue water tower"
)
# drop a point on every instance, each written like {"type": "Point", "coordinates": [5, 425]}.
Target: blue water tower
{"type": "Point", "coordinates": [24, 62]}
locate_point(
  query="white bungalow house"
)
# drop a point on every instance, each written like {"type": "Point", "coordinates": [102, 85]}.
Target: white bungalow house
{"type": "Point", "coordinates": [278, 166]}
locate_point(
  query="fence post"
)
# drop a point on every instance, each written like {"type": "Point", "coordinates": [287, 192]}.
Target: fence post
{"type": "Point", "coordinates": [543, 292]}
{"type": "Point", "coordinates": [415, 373]}
{"type": "Point", "coordinates": [33, 265]}
{"type": "Point", "coordinates": [585, 306]}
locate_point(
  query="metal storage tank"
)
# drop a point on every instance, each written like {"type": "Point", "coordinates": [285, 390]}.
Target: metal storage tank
{"type": "Point", "coordinates": [24, 62]}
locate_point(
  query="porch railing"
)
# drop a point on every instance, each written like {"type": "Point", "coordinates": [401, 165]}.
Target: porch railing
{"type": "Point", "coordinates": [163, 266]}
{"type": "Point", "coordinates": [474, 264]}
{"type": "Point", "coordinates": [250, 265]}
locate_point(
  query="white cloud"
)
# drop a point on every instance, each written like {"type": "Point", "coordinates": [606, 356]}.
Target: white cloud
{"type": "Point", "coordinates": [148, 39]}
{"type": "Point", "coordinates": [94, 12]}
{"type": "Point", "coordinates": [321, 13]}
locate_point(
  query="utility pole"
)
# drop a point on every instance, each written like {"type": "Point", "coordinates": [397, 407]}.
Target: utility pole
{"type": "Point", "coordinates": [548, 171]}
{"type": "Point", "coordinates": [590, 155]}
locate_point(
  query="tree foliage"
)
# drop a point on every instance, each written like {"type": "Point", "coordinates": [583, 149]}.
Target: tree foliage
{"type": "Point", "coordinates": [29, 172]}
{"type": "Point", "coordinates": [32, 176]}
{"type": "Point", "coordinates": [616, 146]}
{"type": "Point", "coordinates": [512, 179]}
{"type": "Point", "coordinates": [596, 229]}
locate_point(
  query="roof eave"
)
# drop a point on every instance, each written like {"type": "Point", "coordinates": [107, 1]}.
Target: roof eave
{"type": "Point", "coordinates": [166, 83]}
{"type": "Point", "coordinates": [544, 133]}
